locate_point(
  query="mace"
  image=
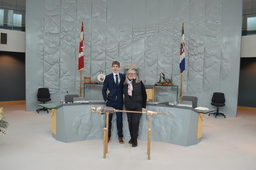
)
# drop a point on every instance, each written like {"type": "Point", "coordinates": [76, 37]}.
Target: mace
{"type": "Point", "coordinates": [110, 110]}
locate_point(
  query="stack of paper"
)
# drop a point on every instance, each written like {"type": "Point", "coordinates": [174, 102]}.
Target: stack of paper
{"type": "Point", "coordinates": [185, 103]}
{"type": "Point", "coordinates": [79, 100]}
{"type": "Point", "coordinates": [202, 108]}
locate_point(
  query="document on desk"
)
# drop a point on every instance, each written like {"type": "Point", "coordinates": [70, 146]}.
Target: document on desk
{"type": "Point", "coordinates": [97, 101]}
{"type": "Point", "coordinates": [79, 100]}
{"type": "Point", "coordinates": [185, 103]}
{"type": "Point", "coordinates": [202, 108]}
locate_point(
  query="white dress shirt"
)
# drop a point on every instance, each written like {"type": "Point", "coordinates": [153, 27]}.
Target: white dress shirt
{"type": "Point", "coordinates": [114, 74]}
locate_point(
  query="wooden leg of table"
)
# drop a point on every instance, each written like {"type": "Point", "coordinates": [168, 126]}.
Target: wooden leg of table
{"type": "Point", "coordinates": [105, 137]}
{"type": "Point", "coordinates": [149, 138]}
{"type": "Point", "coordinates": [54, 130]}
{"type": "Point", "coordinates": [107, 119]}
{"type": "Point", "coordinates": [149, 144]}
{"type": "Point", "coordinates": [104, 142]}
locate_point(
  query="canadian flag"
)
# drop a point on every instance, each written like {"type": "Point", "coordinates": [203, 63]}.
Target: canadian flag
{"type": "Point", "coordinates": [81, 49]}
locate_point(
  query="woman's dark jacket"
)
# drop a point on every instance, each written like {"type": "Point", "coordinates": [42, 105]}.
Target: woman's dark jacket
{"type": "Point", "coordinates": [139, 96]}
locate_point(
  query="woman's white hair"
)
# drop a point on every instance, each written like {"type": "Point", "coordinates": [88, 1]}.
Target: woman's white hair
{"type": "Point", "coordinates": [136, 76]}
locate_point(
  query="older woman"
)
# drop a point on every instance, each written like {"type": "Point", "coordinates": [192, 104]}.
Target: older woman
{"type": "Point", "coordinates": [135, 100]}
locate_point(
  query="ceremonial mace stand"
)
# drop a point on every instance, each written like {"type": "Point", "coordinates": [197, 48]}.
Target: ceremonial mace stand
{"type": "Point", "coordinates": [105, 137]}
{"type": "Point", "coordinates": [149, 113]}
{"type": "Point", "coordinates": [105, 130]}
{"type": "Point", "coordinates": [149, 138]}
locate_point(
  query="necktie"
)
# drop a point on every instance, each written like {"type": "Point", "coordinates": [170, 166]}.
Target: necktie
{"type": "Point", "coordinates": [116, 79]}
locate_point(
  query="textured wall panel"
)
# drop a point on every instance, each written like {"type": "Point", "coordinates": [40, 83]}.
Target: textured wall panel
{"type": "Point", "coordinates": [98, 55]}
{"type": "Point", "coordinates": [143, 32]}
{"type": "Point", "coordinates": [231, 43]}
{"type": "Point", "coordinates": [34, 52]}
{"type": "Point", "coordinates": [138, 36]}
{"type": "Point", "coordinates": [165, 57]}
{"type": "Point", "coordinates": [213, 47]}
{"type": "Point", "coordinates": [52, 50]}
{"type": "Point", "coordinates": [151, 41]}
{"type": "Point", "coordinates": [195, 62]}
{"type": "Point", "coordinates": [125, 32]}
{"type": "Point", "coordinates": [112, 35]}
{"type": "Point", "coordinates": [182, 12]}
{"type": "Point", "coordinates": [69, 44]}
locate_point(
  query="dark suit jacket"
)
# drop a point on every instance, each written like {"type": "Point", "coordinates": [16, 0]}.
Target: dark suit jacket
{"type": "Point", "coordinates": [115, 91]}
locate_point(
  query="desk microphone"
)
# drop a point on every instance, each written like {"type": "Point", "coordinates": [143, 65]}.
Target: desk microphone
{"type": "Point", "coordinates": [69, 97]}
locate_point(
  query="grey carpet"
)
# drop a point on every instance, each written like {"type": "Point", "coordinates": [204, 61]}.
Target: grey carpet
{"type": "Point", "coordinates": [227, 144]}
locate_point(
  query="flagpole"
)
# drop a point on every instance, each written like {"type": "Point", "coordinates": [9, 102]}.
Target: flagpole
{"type": "Point", "coordinates": [181, 86]}
{"type": "Point", "coordinates": [81, 83]}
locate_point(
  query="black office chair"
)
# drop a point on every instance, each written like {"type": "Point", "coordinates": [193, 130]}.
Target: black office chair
{"type": "Point", "coordinates": [69, 98]}
{"type": "Point", "coordinates": [43, 95]}
{"type": "Point", "coordinates": [191, 98]}
{"type": "Point", "coordinates": [218, 100]}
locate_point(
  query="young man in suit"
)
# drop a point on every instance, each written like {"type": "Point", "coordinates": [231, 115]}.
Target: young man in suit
{"type": "Point", "coordinates": [114, 84]}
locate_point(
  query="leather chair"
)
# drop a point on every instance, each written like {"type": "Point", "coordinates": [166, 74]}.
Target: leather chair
{"type": "Point", "coordinates": [218, 100]}
{"type": "Point", "coordinates": [69, 98]}
{"type": "Point", "coordinates": [191, 98]}
{"type": "Point", "coordinates": [43, 95]}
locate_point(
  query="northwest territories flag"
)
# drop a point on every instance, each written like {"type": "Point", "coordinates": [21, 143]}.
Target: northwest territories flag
{"type": "Point", "coordinates": [182, 51]}
{"type": "Point", "coordinates": [81, 49]}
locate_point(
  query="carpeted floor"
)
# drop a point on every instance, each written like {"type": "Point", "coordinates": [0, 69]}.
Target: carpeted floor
{"type": "Point", "coordinates": [227, 144]}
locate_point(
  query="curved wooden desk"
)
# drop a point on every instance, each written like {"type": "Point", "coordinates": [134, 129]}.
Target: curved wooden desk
{"type": "Point", "coordinates": [75, 122]}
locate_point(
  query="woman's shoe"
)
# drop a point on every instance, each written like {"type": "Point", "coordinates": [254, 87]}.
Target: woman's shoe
{"type": "Point", "coordinates": [134, 143]}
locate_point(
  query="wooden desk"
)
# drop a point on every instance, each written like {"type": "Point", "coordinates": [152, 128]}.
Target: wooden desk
{"type": "Point", "coordinates": [53, 107]}
{"type": "Point", "coordinates": [75, 122]}
{"type": "Point", "coordinates": [201, 113]}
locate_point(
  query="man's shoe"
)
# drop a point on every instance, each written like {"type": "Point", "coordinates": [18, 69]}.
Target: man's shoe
{"type": "Point", "coordinates": [130, 141]}
{"type": "Point", "coordinates": [108, 139]}
{"type": "Point", "coordinates": [134, 143]}
{"type": "Point", "coordinates": [120, 140]}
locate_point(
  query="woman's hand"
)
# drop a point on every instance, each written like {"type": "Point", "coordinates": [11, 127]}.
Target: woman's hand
{"type": "Point", "coordinates": [144, 110]}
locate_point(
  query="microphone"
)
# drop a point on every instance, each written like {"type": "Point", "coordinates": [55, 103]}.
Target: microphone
{"type": "Point", "coordinates": [69, 98]}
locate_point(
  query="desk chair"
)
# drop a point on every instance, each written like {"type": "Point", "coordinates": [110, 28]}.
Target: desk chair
{"type": "Point", "coordinates": [218, 100]}
{"type": "Point", "coordinates": [43, 95]}
{"type": "Point", "coordinates": [191, 98]}
{"type": "Point", "coordinates": [69, 98]}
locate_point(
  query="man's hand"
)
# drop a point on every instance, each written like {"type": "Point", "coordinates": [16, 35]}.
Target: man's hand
{"type": "Point", "coordinates": [144, 110]}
